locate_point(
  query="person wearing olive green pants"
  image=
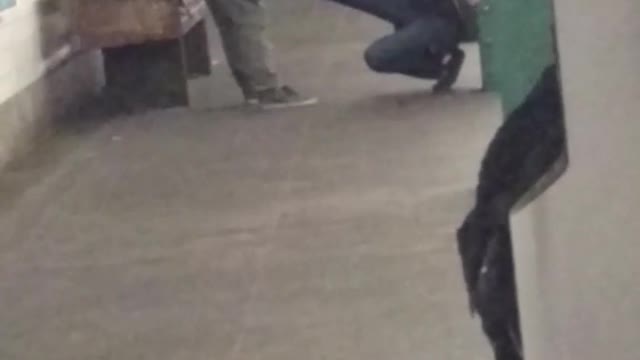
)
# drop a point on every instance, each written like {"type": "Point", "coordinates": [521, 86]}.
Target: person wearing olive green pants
{"type": "Point", "coordinates": [242, 26]}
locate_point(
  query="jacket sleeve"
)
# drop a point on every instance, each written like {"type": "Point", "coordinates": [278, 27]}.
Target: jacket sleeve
{"type": "Point", "coordinates": [443, 8]}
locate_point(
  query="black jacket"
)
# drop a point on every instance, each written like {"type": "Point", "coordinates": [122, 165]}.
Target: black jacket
{"type": "Point", "coordinates": [445, 8]}
{"type": "Point", "coordinates": [457, 11]}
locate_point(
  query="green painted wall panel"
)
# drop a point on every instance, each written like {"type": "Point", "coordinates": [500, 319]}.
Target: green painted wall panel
{"type": "Point", "coordinates": [516, 43]}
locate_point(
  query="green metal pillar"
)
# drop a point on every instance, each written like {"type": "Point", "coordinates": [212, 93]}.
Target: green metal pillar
{"type": "Point", "coordinates": [516, 44]}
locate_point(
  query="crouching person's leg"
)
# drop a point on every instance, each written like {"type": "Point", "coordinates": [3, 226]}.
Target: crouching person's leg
{"type": "Point", "coordinates": [407, 51]}
{"type": "Point", "coordinates": [417, 50]}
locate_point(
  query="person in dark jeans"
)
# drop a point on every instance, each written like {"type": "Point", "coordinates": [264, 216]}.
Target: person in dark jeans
{"type": "Point", "coordinates": [425, 43]}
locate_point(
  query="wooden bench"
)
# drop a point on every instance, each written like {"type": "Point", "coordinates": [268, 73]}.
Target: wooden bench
{"type": "Point", "coordinates": [151, 47]}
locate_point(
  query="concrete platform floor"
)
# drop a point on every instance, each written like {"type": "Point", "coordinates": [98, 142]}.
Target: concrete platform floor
{"type": "Point", "coordinates": [221, 233]}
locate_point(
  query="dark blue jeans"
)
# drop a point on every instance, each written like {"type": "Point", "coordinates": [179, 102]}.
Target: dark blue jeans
{"type": "Point", "coordinates": [418, 45]}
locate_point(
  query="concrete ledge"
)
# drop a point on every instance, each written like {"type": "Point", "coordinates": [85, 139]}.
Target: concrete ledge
{"type": "Point", "coordinates": [29, 116]}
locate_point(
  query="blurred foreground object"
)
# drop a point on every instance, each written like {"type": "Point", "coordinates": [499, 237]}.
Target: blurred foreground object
{"type": "Point", "coordinates": [527, 154]}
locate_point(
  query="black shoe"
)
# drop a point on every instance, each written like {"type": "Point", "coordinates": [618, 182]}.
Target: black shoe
{"type": "Point", "coordinates": [279, 98]}
{"type": "Point", "coordinates": [451, 71]}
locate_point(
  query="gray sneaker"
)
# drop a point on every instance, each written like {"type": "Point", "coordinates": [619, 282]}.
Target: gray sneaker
{"type": "Point", "coordinates": [279, 98]}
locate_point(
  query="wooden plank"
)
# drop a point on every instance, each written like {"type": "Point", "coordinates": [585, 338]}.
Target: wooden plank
{"type": "Point", "coordinates": [111, 23]}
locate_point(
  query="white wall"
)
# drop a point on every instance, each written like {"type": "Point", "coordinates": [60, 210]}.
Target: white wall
{"type": "Point", "coordinates": [39, 81]}
{"type": "Point", "coordinates": [24, 48]}
{"type": "Point", "coordinates": [578, 248]}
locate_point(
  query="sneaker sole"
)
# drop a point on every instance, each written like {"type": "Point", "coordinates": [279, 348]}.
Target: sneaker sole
{"type": "Point", "coordinates": [307, 102]}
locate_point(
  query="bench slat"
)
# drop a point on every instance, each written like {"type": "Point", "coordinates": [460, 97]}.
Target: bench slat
{"type": "Point", "coordinates": [113, 23]}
